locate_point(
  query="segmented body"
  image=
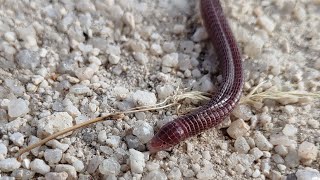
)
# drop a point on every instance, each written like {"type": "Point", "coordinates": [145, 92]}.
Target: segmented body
{"type": "Point", "coordinates": [224, 101]}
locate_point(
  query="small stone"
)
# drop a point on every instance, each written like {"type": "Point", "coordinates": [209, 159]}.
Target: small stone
{"type": "Point", "coordinates": [144, 98]}
{"type": "Point", "coordinates": [28, 59]}
{"type": "Point", "coordinates": [128, 20]}
{"type": "Point", "coordinates": [94, 164]}
{"type": "Point", "coordinates": [307, 151]}
{"type": "Point", "coordinates": [266, 23]}
{"type": "Point", "coordinates": [281, 150]}
{"type": "Point", "coordinates": [256, 173]}
{"type": "Point", "coordinates": [3, 151]}
{"type": "Point", "coordinates": [261, 142]}
{"type": "Point", "coordinates": [178, 28]}
{"type": "Point", "coordinates": [78, 165]}
{"type": "Point", "coordinates": [10, 36]}
{"type": "Point", "coordinates": [165, 91]}
{"type": "Point", "coordinates": [102, 136]}
{"type": "Point", "coordinates": [292, 158]}
{"type": "Point", "coordinates": [289, 130]}
{"type": "Point", "coordinates": [313, 123]}
{"type": "Point", "coordinates": [113, 141]}
{"type": "Point", "coordinates": [143, 131]}
{"type": "Point", "coordinates": [17, 138]}
{"type": "Point", "coordinates": [79, 89]}
{"type": "Point", "coordinates": [137, 161]}
{"type": "Point", "coordinates": [39, 166]}
{"type": "Point", "coordinates": [280, 139]}
{"type": "Point", "coordinates": [56, 144]}
{"type": "Point", "coordinates": [281, 167]}
{"type": "Point", "coordinates": [156, 175]}
{"type": "Point", "coordinates": [10, 164]}
{"type": "Point", "coordinates": [156, 49]}
{"type": "Point", "coordinates": [277, 159]}
{"type": "Point", "coordinates": [207, 172]}
{"type": "Point", "coordinates": [114, 59]}
{"type": "Point", "coordinates": [120, 92]}
{"type": "Point", "coordinates": [23, 174]}
{"type": "Point", "coordinates": [256, 153]}
{"type": "Point", "coordinates": [109, 166]}
{"type": "Point", "coordinates": [265, 119]}
{"type": "Point", "coordinates": [169, 47]}
{"type": "Point", "coordinates": [18, 108]}
{"type": "Point", "coordinates": [254, 46]}
{"type": "Point", "coordinates": [241, 145]}
{"type": "Point", "coordinates": [308, 173]}
{"type": "Point", "coordinates": [238, 128]}
{"type": "Point", "coordinates": [56, 175]}
{"type": "Point", "coordinates": [170, 60]}
{"type": "Point", "coordinates": [53, 156]}
{"type": "Point", "coordinates": [72, 173]}
{"type": "Point", "coordinates": [187, 46]}
{"type": "Point", "coordinates": [242, 111]}
{"type": "Point", "coordinates": [174, 174]}
{"type": "Point", "coordinates": [141, 58]}
{"type": "Point", "coordinates": [53, 123]}
{"type": "Point", "coordinates": [265, 166]}
{"type": "Point", "coordinates": [200, 34]}
{"type": "Point", "coordinates": [206, 155]}
{"type": "Point", "coordinates": [85, 73]}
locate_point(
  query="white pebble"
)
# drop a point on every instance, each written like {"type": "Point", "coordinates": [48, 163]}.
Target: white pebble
{"type": "Point", "coordinates": [10, 36]}
{"type": "Point", "coordinates": [53, 156]}
{"type": "Point", "coordinates": [174, 174]}
{"type": "Point", "coordinates": [256, 152]}
{"type": "Point", "coordinates": [143, 131]}
{"type": "Point", "coordinates": [242, 111]}
{"type": "Point", "coordinates": [308, 173]}
{"type": "Point", "coordinates": [261, 141]}
{"type": "Point", "coordinates": [289, 130]}
{"type": "Point", "coordinates": [237, 129]}
{"type": "Point", "coordinates": [39, 166]}
{"type": "Point", "coordinates": [113, 141]}
{"type": "Point", "coordinates": [3, 151]}
{"type": "Point", "coordinates": [170, 47]}
{"type": "Point", "coordinates": [307, 151]}
{"type": "Point", "coordinates": [120, 92]}
{"type": "Point", "coordinates": [79, 89]}
{"type": "Point", "coordinates": [241, 145]}
{"type": "Point", "coordinates": [200, 34]}
{"type": "Point", "coordinates": [18, 107]}
{"type": "Point", "coordinates": [156, 175]}
{"type": "Point", "coordinates": [156, 49]}
{"type": "Point", "coordinates": [144, 98]}
{"type": "Point", "coordinates": [280, 139]}
{"type": "Point", "coordinates": [165, 91]}
{"type": "Point", "coordinates": [109, 166]}
{"type": "Point", "coordinates": [137, 161]}
{"type": "Point", "coordinates": [10, 164]}
{"type": "Point", "coordinates": [28, 59]}
{"type": "Point", "coordinates": [56, 175]}
{"type": "Point", "coordinates": [128, 19]}
{"type": "Point", "coordinates": [141, 58]}
{"type": "Point", "coordinates": [256, 173]}
{"type": "Point", "coordinates": [266, 23]}
{"type": "Point", "coordinates": [170, 60]}
{"type": "Point", "coordinates": [72, 173]}
{"type": "Point", "coordinates": [281, 150]}
{"type": "Point", "coordinates": [53, 123]}
{"type": "Point", "coordinates": [178, 28]}
{"type": "Point", "coordinates": [84, 73]}
{"type": "Point", "coordinates": [114, 59]}
{"type": "Point", "coordinates": [17, 138]}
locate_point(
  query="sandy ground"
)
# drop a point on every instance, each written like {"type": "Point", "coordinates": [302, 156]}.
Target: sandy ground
{"type": "Point", "coordinates": [64, 62]}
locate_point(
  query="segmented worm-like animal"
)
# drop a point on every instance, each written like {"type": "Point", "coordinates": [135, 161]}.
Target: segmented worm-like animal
{"type": "Point", "coordinates": [224, 101]}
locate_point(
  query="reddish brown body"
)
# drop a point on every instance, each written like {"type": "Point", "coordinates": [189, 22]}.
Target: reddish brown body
{"type": "Point", "coordinates": [222, 104]}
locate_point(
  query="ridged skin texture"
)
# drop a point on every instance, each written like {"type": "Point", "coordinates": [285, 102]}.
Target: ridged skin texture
{"type": "Point", "coordinates": [222, 103]}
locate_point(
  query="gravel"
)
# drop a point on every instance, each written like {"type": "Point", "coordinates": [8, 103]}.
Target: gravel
{"type": "Point", "coordinates": [63, 63]}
